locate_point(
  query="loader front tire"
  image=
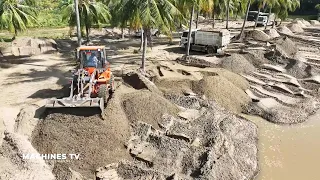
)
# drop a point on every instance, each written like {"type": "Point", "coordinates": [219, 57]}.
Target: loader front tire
{"type": "Point", "coordinates": [103, 92]}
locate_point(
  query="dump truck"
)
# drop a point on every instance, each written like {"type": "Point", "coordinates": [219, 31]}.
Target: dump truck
{"type": "Point", "coordinates": [91, 83]}
{"type": "Point", "coordinates": [210, 41]}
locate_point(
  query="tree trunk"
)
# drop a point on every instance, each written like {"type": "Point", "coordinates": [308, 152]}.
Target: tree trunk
{"type": "Point", "coordinates": [213, 22]}
{"type": "Point", "coordinates": [255, 24]}
{"type": "Point", "coordinates": [280, 22]}
{"type": "Point", "coordinates": [190, 31]}
{"type": "Point", "coordinates": [87, 33]}
{"type": "Point", "coordinates": [197, 22]}
{"type": "Point", "coordinates": [149, 37]}
{"type": "Point", "coordinates": [268, 18]}
{"type": "Point", "coordinates": [122, 33]}
{"type": "Point", "coordinates": [144, 52]}
{"type": "Point", "coordinates": [245, 19]}
{"type": "Point", "coordinates": [227, 19]}
{"type": "Point", "coordinates": [274, 21]}
{"type": "Point", "coordinates": [76, 7]}
{"type": "Point", "coordinates": [141, 43]}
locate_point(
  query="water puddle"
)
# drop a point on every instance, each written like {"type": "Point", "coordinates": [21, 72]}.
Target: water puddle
{"type": "Point", "coordinates": [289, 152]}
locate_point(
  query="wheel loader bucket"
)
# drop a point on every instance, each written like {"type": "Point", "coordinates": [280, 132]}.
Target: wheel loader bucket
{"type": "Point", "coordinates": [75, 103]}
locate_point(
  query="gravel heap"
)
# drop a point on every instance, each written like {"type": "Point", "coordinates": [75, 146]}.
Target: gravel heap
{"type": "Point", "coordinates": [285, 30]}
{"type": "Point", "coordinates": [217, 145]}
{"type": "Point", "coordinates": [286, 47]}
{"type": "Point", "coordinates": [258, 35]}
{"type": "Point", "coordinates": [147, 107]}
{"type": "Point", "coordinates": [236, 79]}
{"type": "Point", "coordinates": [314, 22]}
{"type": "Point", "coordinates": [295, 27]}
{"type": "Point", "coordinates": [98, 142]}
{"type": "Point", "coordinates": [300, 23]}
{"type": "Point", "coordinates": [174, 86]}
{"type": "Point", "coordinates": [26, 46]}
{"type": "Point", "coordinates": [195, 62]}
{"type": "Point", "coordinates": [306, 23]}
{"type": "Point", "coordinates": [237, 64]}
{"type": "Point", "coordinates": [13, 166]}
{"type": "Point", "coordinates": [285, 115]}
{"type": "Point", "coordinates": [273, 33]}
{"type": "Point", "coordinates": [224, 92]}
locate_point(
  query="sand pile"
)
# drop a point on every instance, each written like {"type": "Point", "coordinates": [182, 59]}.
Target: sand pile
{"type": "Point", "coordinates": [285, 30]}
{"type": "Point", "coordinates": [286, 47]}
{"type": "Point", "coordinates": [300, 23]}
{"type": "Point", "coordinates": [217, 145]}
{"type": "Point", "coordinates": [295, 27]}
{"type": "Point", "coordinates": [236, 79]}
{"type": "Point", "coordinates": [188, 101]}
{"type": "Point", "coordinates": [273, 33]}
{"type": "Point", "coordinates": [29, 46]}
{"type": "Point", "coordinates": [195, 62]}
{"type": "Point", "coordinates": [314, 22]}
{"type": "Point", "coordinates": [13, 166]}
{"type": "Point", "coordinates": [306, 23]}
{"type": "Point", "coordinates": [224, 92]}
{"type": "Point", "coordinates": [147, 107]}
{"type": "Point", "coordinates": [258, 35]}
{"type": "Point", "coordinates": [297, 69]}
{"type": "Point", "coordinates": [139, 81]}
{"type": "Point", "coordinates": [237, 64]}
{"type": "Point", "coordinates": [26, 121]}
{"type": "Point", "coordinates": [283, 114]}
{"type": "Point", "coordinates": [174, 86]}
{"type": "Point", "coordinates": [98, 142]}
{"type": "Point", "coordinates": [256, 57]}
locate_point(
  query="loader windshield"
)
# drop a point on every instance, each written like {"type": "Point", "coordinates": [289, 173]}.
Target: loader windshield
{"type": "Point", "coordinates": [92, 58]}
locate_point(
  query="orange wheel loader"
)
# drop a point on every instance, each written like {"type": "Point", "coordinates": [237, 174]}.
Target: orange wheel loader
{"type": "Point", "coordinates": [92, 81]}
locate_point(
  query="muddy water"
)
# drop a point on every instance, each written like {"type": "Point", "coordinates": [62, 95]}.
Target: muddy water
{"type": "Point", "coordinates": [289, 152]}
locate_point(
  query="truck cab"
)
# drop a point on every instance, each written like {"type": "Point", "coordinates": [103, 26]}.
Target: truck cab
{"type": "Point", "coordinates": [184, 38]}
{"type": "Point", "coordinates": [262, 21]}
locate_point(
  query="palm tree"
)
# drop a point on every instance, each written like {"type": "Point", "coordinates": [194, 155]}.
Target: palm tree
{"type": "Point", "coordinates": [317, 7]}
{"type": "Point", "coordinates": [218, 8]}
{"type": "Point", "coordinates": [190, 31]}
{"type": "Point", "coordinates": [271, 4]}
{"type": "Point", "coordinates": [245, 19]}
{"type": "Point", "coordinates": [261, 4]}
{"type": "Point", "coordinates": [117, 19]}
{"type": "Point", "coordinates": [228, 13]}
{"type": "Point", "coordinates": [17, 15]}
{"type": "Point", "coordinates": [203, 6]}
{"type": "Point", "coordinates": [91, 13]}
{"type": "Point", "coordinates": [148, 14]}
{"type": "Point", "coordinates": [282, 7]}
{"type": "Point", "coordinates": [200, 5]}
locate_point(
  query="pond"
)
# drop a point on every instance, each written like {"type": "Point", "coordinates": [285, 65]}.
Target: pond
{"type": "Point", "coordinates": [289, 151]}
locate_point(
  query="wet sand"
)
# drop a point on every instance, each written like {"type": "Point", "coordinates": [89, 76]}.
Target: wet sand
{"type": "Point", "coordinates": [289, 152]}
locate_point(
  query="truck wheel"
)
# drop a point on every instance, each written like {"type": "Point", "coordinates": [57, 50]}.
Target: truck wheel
{"type": "Point", "coordinates": [103, 92]}
{"type": "Point", "coordinates": [210, 50]}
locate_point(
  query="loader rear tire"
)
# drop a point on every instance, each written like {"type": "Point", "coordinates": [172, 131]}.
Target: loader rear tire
{"type": "Point", "coordinates": [103, 92]}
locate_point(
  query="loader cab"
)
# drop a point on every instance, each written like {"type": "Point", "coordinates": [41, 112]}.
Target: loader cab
{"type": "Point", "coordinates": [92, 57]}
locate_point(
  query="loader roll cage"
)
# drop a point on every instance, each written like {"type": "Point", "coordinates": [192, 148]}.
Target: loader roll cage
{"type": "Point", "coordinates": [84, 54]}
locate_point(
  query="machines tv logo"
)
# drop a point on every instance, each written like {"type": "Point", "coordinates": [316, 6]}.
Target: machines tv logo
{"type": "Point", "coordinates": [52, 156]}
